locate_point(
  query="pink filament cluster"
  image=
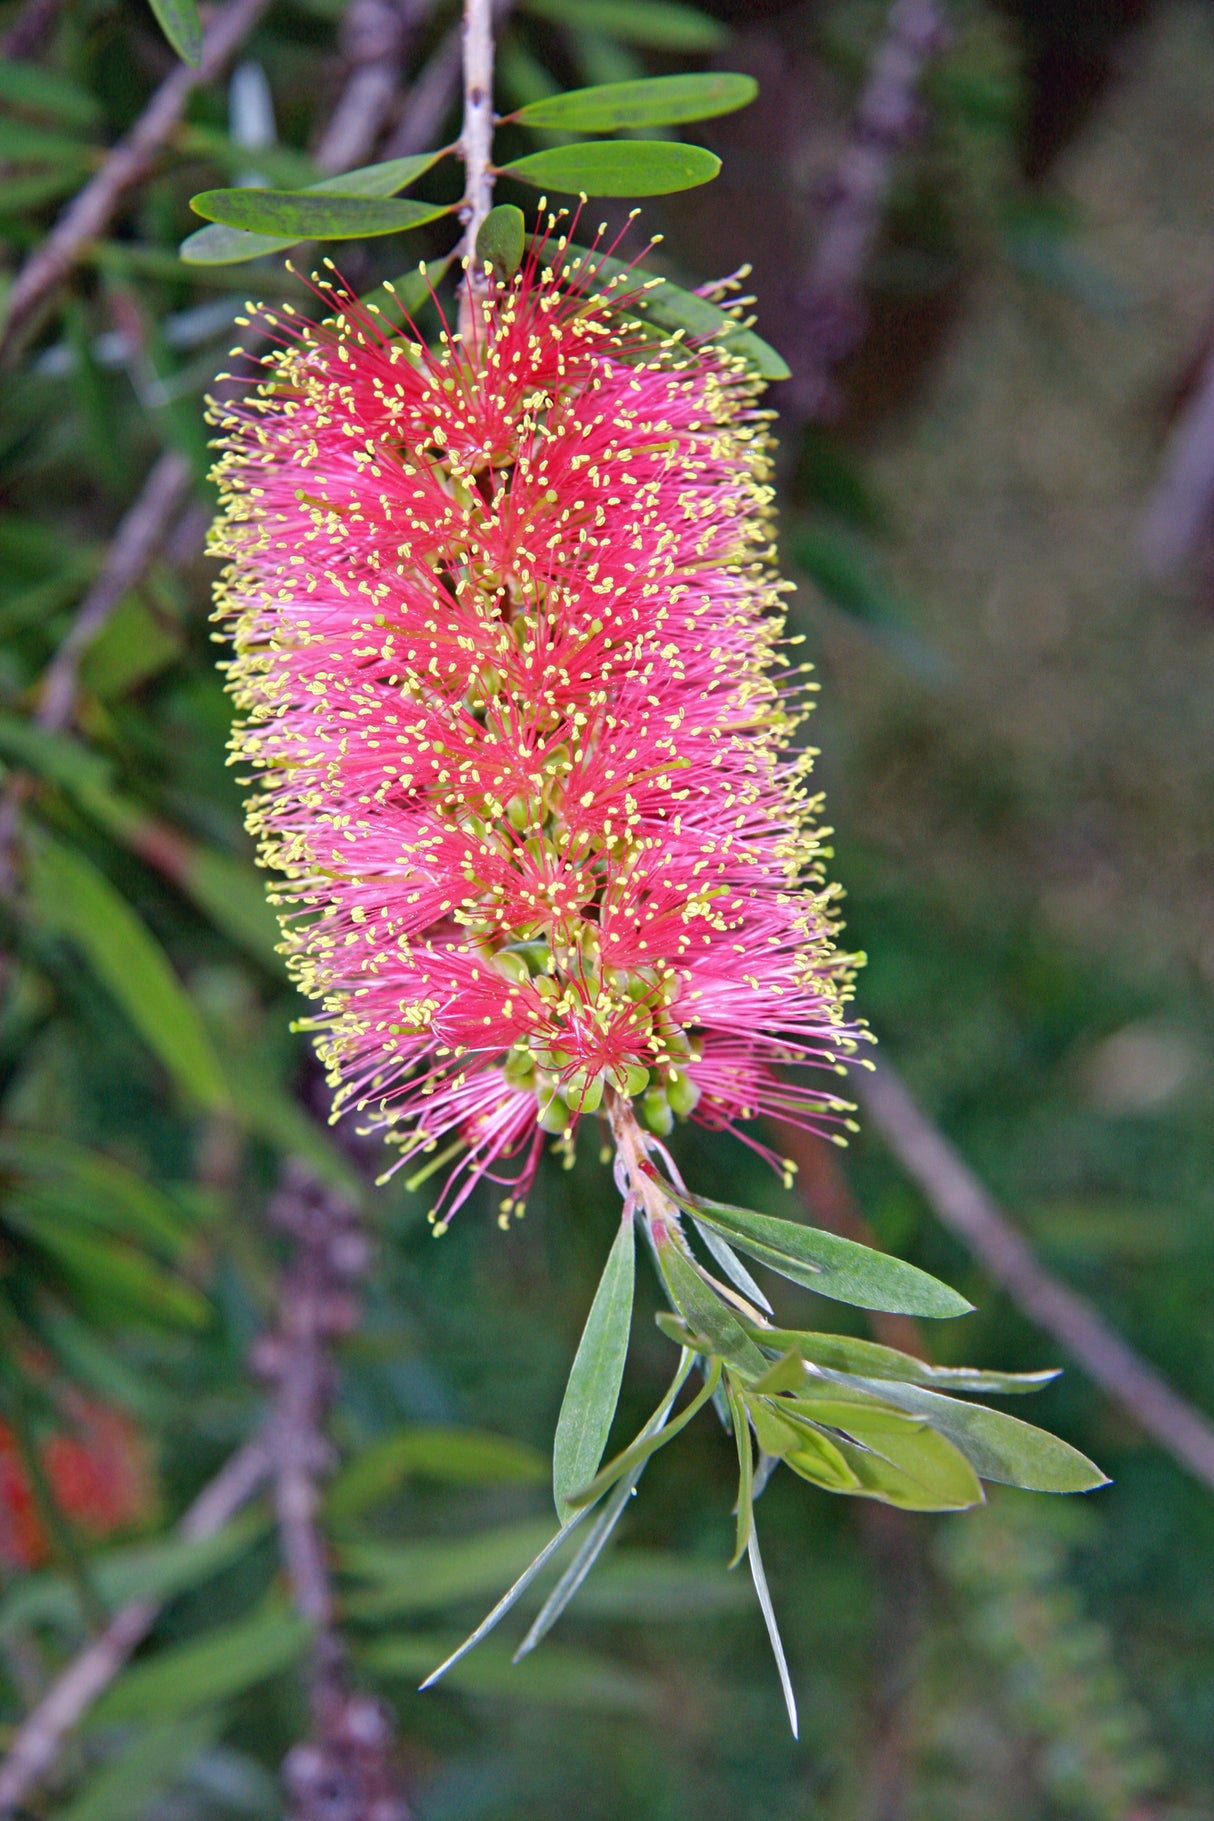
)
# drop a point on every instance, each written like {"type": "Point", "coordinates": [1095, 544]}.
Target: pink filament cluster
{"type": "Point", "coordinates": [508, 658]}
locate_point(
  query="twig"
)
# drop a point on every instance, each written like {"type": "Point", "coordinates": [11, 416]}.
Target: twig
{"type": "Point", "coordinates": [962, 1203]}
{"type": "Point", "coordinates": [88, 215]}
{"type": "Point", "coordinates": [40, 1735]}
{"type": "Point", "coordinates": [374, 38]}
{"type": "Point", "coordinates": [829, 309]}
{"type": "Point", "coordinates": [1182, 505]}
{"type": "Point", "coordinates": [345, 1769]}
{"type": "Point", "coordinates": [476, 150]}
{"type": "Point", "coordinates": [430, 96]}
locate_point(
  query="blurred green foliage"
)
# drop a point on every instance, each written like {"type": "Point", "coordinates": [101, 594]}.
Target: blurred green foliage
{"type": "Point", "coordinates": [1016, 758]}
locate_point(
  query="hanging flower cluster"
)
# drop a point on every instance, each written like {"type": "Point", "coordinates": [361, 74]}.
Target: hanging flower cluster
{"type": "Point", "coordinates": [96, 1470]}
{"type": "Point", "coordinates": [513, 684]}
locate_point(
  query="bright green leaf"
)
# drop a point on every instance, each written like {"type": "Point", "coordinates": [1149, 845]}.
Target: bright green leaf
{"type": "Point", "coordinates": [74, 899]}
{"type": "Point", "coordinates": [660, 25]}
{"type": "Point", "coordinates": [896, 1459]}
{"type": "Point", "coordinates": [656, 300]}
{"type": "Point", "coordinates": [656, 101]}
{"type": "Point", "coordinates": [834, 1267]}
{"type": "Point", "coordinates": [179, 1681]}
{"type": "Point", "coordinates": [598, 1370]}
{"type": "Point", "coordinates": [179, 21]}
{"type": "Point", "coordinates": [998, 1446]}
{"type": "Point", "coordinates": [610, 167]}
{"type": "Point", "coordinates": [868, 1358]}
{"type": "Point", "coordinates": [453, 1455]}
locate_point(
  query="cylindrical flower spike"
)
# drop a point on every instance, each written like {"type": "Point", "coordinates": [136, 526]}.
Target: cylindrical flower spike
{"type": "Point", "coordinates": [512, 681]}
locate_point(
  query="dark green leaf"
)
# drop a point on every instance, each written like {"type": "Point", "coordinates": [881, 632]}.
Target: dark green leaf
{"type": "Point", "coordinates": [867, 1357]}
{"type": "Point", "coordinates": [598, 1369]}
{"type": "Point", "coordinates": [143, 1770]}
{"type": "Point", "coordinates": [72, 898]}
{"type": "Point", "coordinates": [224, 246]}
{"type": "Point", "coordinates": [291, 215]}
{"type": "Point", "coordinates": [179, 21]}
{"type": "Point", "coordinates": [409, 293]}
{"type": "Point", "coordinates": [112, 1278]}
{"type": "Point", "coordinates": [100, 1190]}
{"type": "Point", "coordinates": [834, 1267]}
{"type": "Point", "coordinates": [656, 101]}
{"type": "Point", "coordinates": [559, 1677]}
{"type": "Point", "coordinates": [653, 1584]}
{"type": "Point", "coordinates": [660, 25]}
{"type": "Point", "coordinates": [191, 1676]}
{"type": "Point", "coordinates": [702, 1309]}
{"type": "Point", "coordinates": [500, 240]}
{"type": "Point", "coordinates": [656, 300]}
{"type": "Point", "coordinates": [998, 1446]}
{"type": "Point", "coordinates": [25, 144]}
{"type": "Point", "coordinates": [627, 167]}
{"type": "Point", "coordinates": [452, 1455]}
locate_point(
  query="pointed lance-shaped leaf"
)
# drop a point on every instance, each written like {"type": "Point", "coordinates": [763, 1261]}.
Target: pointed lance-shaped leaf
{"type": "Point", "coordinates": [179, 21]}
{"type": "Point", "coordinates": [605, 167]}
{"type": "Point", "coordinates": [759, 1576]}
{"type": "Point", "coordinates": [844, 1353]}
{"type": "Point", "coordinates": [220, 245]}
{"type": "Point", "coordinates": [594, 1380]}
{"type": "Point", "coordinates": [658, 301]}
{"type": "Point", "coordinates": [610, 107]}
{"type": "Point", "coordinates": [834, 1267]}
{"type": "Point", "coordinates": [717, 1327]}
{"type": "Point", "coordinates": [191, 1677]}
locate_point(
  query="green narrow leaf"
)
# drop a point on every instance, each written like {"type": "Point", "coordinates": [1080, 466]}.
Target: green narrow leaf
{"type": "Point", "coordinates": [834, 1267]}
{"type": "Point", "coordinates": [298, 215]}
{"type": "Point", "coordinates": [746, 1470]}
{"type": "Point", "coordinates": [26, 144]}
{"type": "Point", "coordinates": [500, 240]}
{"type": "Point", "coordinates": [453, 1455]}
{"type": "Point", "coordinates": [655, 1435]}
{"type": "Point", "coordinates": [759, 1576]}
{"type": "Point", "coordinates": [657, 300]}
{"type": "Point", "coordinates": [604, 1524]}
{"type": "Point", "coordinates": [179, 1681]}
{"type": "Point", "coordinates": [654, 101]}
{"type": "Point", "coordinates": [706, 1314]}
{"type": "Point", "coordinates": [179, 21]}
{"type": "Point", "coordinates": [74, 899]}
{"type": "Point", "coordinates": [224, 246]}
{"type": "Point", "coordinates": [598, 1369]}
{"type": "Point", "coordinates": [111, 1278]}
{"type": "Point", "coordinates": [660, 25]}
{"type": "Point", "coordinates": [627, 167]}
{"type": "Point", "coordinates": [869, 1358]}
{"type": "Point", "coordinates": [143, 1770]}
{"type": "Point", "coordinates": [1000, 1447]}
{"type": "Point", "coordinates": [104, 1191]}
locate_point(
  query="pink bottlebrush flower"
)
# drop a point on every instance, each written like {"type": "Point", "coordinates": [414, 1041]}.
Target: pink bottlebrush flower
{"type": "Point", "coordinates": [510, 666]}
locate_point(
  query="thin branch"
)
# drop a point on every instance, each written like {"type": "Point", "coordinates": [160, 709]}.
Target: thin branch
{"type": "Point", "coordinates": [38, 1739]}
{"type": "Point", "coordinates": [29, 28]}
{"type": "Point", "coordinates": [88, 215]}
{"type": "Point", "coordinates": [830, 312]}
{"type": "Point", "coordinates": [345, 1768]}
{"type": "Point", "coordinates": [476, 150]}
{"type": "Point", "coordinates": [374, 39]}
{"type": "Point", "coordinates": [1182, 505]}
{"type": "Point", "coordinates": [429, 100]}
{"type": "Point", "coordinates": [963, 1204]}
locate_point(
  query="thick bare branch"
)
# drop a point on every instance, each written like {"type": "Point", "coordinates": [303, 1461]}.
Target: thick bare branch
{"type": "Point", "coordinates": [38, 1739]}
{"type": "Point", "coordinates": [963, 1204]}
{"type": "Point", "coordinates": [89, 214]}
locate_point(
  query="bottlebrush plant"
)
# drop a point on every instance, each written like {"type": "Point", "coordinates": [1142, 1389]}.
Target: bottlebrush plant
{"type": "Point", "coordinates": [522, 718]}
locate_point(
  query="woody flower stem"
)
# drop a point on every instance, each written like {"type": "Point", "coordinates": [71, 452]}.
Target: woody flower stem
{"type": "Point", "coordinates": [476, 147]}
